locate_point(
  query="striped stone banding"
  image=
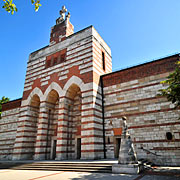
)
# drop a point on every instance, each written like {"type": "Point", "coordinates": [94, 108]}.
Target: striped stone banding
{"type": "Point", "coordinates": [68, 50]}
{"type": "Point", "coordinates": [91, 150]}
{"type": "Point", "coordinates": [156, 141]}
{"type": "Point", "coordinates": [55, 68]}
{"type": "Point", "coordinates": [154, 125]}
{"type": "Point", "coordinates": [134, 101]}
{"type": "Point", "coordinates": [15, 114]}
{"type": "Point", "coordinates": [140, 113]}
{"type": "Point", "coordinates": [9, 131]}
{"type": "Point", "coordinates": [166, 148]}
{"type": "Point", "coordinates": [130, 89]}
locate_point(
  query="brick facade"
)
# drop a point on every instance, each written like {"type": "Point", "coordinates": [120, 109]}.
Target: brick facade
{"type": "Point", "coordinates": [133, 93]}
{"type": "Point", "coordinates": [8, 128]}
{"type": "Point", "coordinates": [72, 103]}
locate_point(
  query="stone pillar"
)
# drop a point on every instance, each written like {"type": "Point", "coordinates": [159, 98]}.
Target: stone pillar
{"type": "Point", "coordinates": [91, 127]}
{"type": "Point", "coordinates": [24, 136]}
{"type": "Point", "coordinates": [41, 140]}
{"type": "Point", "coordinates": [62, 130]}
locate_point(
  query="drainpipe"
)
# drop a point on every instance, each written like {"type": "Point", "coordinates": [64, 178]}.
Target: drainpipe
{"type": "Point", "coordinates": [102, 93]}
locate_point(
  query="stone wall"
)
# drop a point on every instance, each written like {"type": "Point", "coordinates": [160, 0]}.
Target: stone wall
{"type": "Point", "coordinates": [133, 93]}
{"type": "Point", "coordinates": [8, 128]}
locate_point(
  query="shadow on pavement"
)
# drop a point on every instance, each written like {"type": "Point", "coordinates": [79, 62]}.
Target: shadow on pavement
{"type": "Point", "coordinates": [106, 176]}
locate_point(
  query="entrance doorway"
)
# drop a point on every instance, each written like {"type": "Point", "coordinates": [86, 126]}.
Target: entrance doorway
{"type": "Point", "coordinates": [78, 148]}
{"type": "Point", "coordinates": [53, 149]}
{"type": "Point", "coordinates": [117, 147]}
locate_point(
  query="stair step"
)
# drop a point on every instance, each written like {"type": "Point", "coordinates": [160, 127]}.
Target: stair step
{"type": "Point", "coordinates": [59, 166]}
{"type": "Point", "coordinates": [62, 169]}
{"type": "Point", "coordinates": [77, 167]}
{"type": "Point", "coordinates": [70, 164]}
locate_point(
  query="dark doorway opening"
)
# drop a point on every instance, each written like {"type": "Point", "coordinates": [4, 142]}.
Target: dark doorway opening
{"type": "Point", "coordinates": [54, 149]}
{"type": "Point", "coordinates": [78, 148]}
{"type": "Point", "coordinates": [117, 147]}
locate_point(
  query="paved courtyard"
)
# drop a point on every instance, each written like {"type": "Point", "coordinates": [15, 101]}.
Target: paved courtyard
{"type": "Point", "coordinates": [62, 175]}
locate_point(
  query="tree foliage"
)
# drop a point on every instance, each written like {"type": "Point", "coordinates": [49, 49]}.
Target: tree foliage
{"type": "Point", "coordinates": [172, 92]}
{"type": "Point", "coordinates": [10, 6]}
{"type": "Point", "coordinates": [3, 100]}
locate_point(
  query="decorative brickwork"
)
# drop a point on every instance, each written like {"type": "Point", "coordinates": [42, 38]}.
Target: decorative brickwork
{"type": "Point", "coordinates": [149, 117]}
{"type": "Point", "coordinates": [144, 70]}
{"type": "Point", "coordinates": [11, 105]}
{"type": "Point", "coordinates": [8, 128]}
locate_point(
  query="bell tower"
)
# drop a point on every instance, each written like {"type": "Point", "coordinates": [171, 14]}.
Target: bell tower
{"type": "Point", "coordinates": [62, 102]}
{"type": "Point", "coordinates": [63, 27]}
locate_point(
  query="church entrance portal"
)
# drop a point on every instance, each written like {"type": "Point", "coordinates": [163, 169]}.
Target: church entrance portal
{"type": "Point", "coordinates": [73, 122]}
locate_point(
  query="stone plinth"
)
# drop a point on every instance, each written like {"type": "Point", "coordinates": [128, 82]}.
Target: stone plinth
{"type": "Point", "coordinates": [127, 168]}
{"type": "Point", "coordinates": [127, 161]}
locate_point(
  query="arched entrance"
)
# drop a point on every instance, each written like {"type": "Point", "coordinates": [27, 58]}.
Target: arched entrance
{"type": "Point", "coordinates": [33, 123]}
{"type": "Point", "coordinates": [52, 106]}
{"type": "Point", "coordinates": [73, 106]}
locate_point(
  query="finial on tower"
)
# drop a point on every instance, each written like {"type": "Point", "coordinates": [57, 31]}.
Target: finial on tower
{"type": "Point", "coordinates": [62, 12]}
{"type": "Point", "coordinates": [63, 15]}
{"type": "Point", "coordinates": [63, 27]}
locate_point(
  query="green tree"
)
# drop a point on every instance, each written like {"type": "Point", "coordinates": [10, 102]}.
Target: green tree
{"type": "Point", "coordinates": [3, 100]}
{"type": "Point", "coordinates": [172, 92]}
{"type": "Point", "coordinates": [10, 6]}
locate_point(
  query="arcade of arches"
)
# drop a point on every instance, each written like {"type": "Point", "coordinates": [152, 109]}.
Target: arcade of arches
{"type": "Point", "coordinates": [55, 125]}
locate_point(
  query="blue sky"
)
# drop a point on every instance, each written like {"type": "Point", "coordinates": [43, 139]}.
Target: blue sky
{"type": "Point", "coordinates": [136, 30]}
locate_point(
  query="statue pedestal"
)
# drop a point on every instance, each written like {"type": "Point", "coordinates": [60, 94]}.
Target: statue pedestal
{"type": "Point", "coordinates": [127, 161]}
{"type": "Point", "coordinates": [127, 168]}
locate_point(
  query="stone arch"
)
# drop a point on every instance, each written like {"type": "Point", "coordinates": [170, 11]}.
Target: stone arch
{"type": "Point", "coordinates": [35, 101]}
{"type": "Point", "coordinates": [52, 109]}
{"type": "Point", "coordinates": [73, 105]}
{"type": "Point", "coordinates": [52, 97]}
{"type": "Point", "coordinates": [53, 86]}
{"type": "Point", "coordinates": [74, 80]}
{"type": "Point", "coordinates": [33, 109]}
{"type": "Point", "coordinates": [37, 92]}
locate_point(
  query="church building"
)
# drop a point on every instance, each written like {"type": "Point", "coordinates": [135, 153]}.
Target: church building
{"type": "Point", "coordinates": [72, 104]}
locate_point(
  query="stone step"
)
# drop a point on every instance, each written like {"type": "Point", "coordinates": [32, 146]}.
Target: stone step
{"type": "Point", "coordinates": [58, 166]}
{"type": "Point", "coordinates": [67, 169]}
{"type": "Point", "coordinates": [74, 166]}
{"type": "Point", "coordinates": [64, 164]}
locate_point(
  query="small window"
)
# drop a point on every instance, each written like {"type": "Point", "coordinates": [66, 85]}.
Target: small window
{"type": "Point", "coordinates": [109, 142]}
{"type": "Point", "coordinates": [55, 60]}
{"type": "Point", "coordinates": [59, 59]}
{"type": "Point", "coordinates": [51, 61]}
{"type": "Point", "coordinates": [169, 136]}
{"type": "Point", "coordinates": [103, 61]}
{"type": "Point", "coordinates": [63, 56]}
{"type": "Point", "coordinates": [48, 63]}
